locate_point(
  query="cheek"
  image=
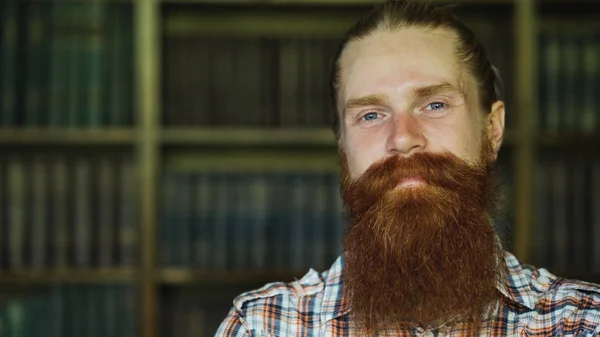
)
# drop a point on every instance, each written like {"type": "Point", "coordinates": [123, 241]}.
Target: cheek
{"type": "Point", "coordinates": [362, 151]}
{"type": "Point", "coordinates": [466, 145]}
{"type": "Point", "coordinates": [458, 136]}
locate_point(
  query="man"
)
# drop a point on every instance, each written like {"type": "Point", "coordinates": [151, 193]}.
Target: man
{"type": "Point", "coordinates": [419, 121]}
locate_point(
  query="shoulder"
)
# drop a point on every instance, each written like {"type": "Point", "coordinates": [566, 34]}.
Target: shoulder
{"type": "Point", "coordinates": [277, 309]}
{"type": "Point", "coordinates": [550, 305]}
{"type": "Point", "coordinates": [570, 305]}
{"type": "Point", "coordinates": [557, 291]}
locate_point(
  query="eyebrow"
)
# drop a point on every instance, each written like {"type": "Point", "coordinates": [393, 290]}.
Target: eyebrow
{"type": "Point", "coordinates": [374, 99]}
{"type": "Point", "coordinates": [436, 89]}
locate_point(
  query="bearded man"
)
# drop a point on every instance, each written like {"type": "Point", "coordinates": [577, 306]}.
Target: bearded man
{"type": "Point", "coordinates": [419, 121]}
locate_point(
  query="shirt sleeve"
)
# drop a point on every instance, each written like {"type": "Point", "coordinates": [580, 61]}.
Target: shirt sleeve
{"type": "Point", "coordinates": [233, 326]}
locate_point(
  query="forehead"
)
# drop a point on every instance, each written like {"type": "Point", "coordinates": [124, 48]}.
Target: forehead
{"type": "Point", "coordinates": [409, 56]}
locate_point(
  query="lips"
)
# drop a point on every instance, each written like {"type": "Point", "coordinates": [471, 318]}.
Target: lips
{"type": "Point", "coordinates": [410, 182]}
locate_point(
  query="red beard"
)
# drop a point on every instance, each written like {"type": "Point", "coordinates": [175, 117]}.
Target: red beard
{"type": "Point", "coordinates": [421, 255]}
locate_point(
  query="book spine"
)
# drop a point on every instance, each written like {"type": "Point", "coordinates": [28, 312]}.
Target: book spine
{"type": "Point", "coordinates": [591, 55]}
{"type": "Point", "coordinates": [222, 182]}
{"type": "Point", "coordinates": [82, 213]}
{"type": "Point", "coordinates": [39, 215]}
{"type": "Point", "coordinates": [73, 57]}
{"type": "Point", "coordinates": [93, 48]}
{"type": "Point", "coordinates": [33, 72]}
{"type": "Point", "coordinates": [8, 59]}
{"type": "Point", "coordinates": [298, 221]}
{"type": "Point", "coordinates": [106, 214]}
{"type": "Point", "coordinates": [128, 216]}
{"type": "Point", "coordinates": [259, 217]}
{"type": "Point", "coordinates": [572, 76]}
{"type": "Point", "coordinates": [202, 246]}
{"type": "Point", "coordinates": [552, 60]}
{"type": "Point", "coordinates": [59, 209]}
{"type": "Point", "coordinates": [16, 208]}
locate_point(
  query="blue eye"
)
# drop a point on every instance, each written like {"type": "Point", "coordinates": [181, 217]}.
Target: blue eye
{"type": "Point", "coordinates": [371, 116]}
{"type": "Point", "coordinates": [436, 106]}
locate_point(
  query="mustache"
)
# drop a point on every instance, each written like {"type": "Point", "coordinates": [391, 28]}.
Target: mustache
{"type": "Point", "coordinates": [441, 170]}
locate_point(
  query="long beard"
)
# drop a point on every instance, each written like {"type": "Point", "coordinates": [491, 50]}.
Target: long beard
{"type": "Point", "coordinates": [423, 255]}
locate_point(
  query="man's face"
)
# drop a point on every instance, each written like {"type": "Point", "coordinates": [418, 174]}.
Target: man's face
{"type": "Point", "coordinates": [404, 91]}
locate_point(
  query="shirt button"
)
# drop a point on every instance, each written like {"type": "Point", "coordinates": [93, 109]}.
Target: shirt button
{"type": "Point", "coordinates": [427, 334]}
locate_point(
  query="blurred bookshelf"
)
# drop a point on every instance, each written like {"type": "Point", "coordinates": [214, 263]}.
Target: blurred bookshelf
{"type": "Point", "coordinates": [157, 158]}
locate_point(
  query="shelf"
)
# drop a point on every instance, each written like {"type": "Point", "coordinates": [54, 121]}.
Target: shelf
{"type": "Point", "coordinates": [279, 18]}
{"type": "Point", "coordinates": [558, 139]}
{"type": "Point", "coordinates": [76, 1]}
{"type": "Point", "coordinates": [319, 137]}
{"type": "Point", "coordinates": [47, 136]}
{"type": "Point", "coordinates": [344, 3]}
{"type": "Point", "coordinates": [91, 275]}
{"type": "Point", "coordinates": [183, 276]}
{"type": "Point", "coordinates": [322, 137]}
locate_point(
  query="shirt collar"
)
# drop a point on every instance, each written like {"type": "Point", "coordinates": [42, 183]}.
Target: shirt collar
{"type": "Point", "coordinates": [515, 285]}
{"type": "Point", "coordinates": [334, 304]}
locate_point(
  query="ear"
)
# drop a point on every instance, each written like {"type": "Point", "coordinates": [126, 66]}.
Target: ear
{"type": "Point", "coordinates": [495, 126]}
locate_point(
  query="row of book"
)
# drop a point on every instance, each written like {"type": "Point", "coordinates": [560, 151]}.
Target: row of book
{"type": "Point", "coordinates": [263, 220]}
{"type": "Point", "coordinates": [270, 79]}
{"type": "Point", "coordinates": [569, 68]}
{"type": "Point", "coordinates": [61, 211]}
{"type": "Point", "coordinates": [252, 81]}
{"type": "Point", "coordinates": [567, 216]}
{"type": "Point", "coordinates": [251, 221]}
{"type": "Point", "coordinates": [70, 311]}
{"type": "Point", "coordinates": [76, 211]}
{"type": "Point", "coordinates": [66, 64]}
{"type": "Point", "coordinates": [71, 64]}
{"type": "Point", "coordinates": [263, 81]}
{"type": "Point", "coordinates": [72, 211]}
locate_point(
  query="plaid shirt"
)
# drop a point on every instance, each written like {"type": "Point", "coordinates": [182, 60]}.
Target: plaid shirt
{"type": "Point", "coordinates": [539, 304]}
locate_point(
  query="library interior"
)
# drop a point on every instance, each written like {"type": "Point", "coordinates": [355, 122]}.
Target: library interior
{"type": "Point", "coordinates": [192, 157]}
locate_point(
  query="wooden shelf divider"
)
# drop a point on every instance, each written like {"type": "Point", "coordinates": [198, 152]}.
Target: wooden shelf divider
{"type": "Point", "coordinates": [247, 136]}
{"type": "Point", "coordinates": [184, 276]}
{"type": "Point", "coordinates": [344, 3]}
{"type": "Point", "coordinates": [525, 94]}
{"type": "Point", "coordinates": [59, 136]}
{"type": "Point", "coordinates": [91, 275]}
{"type": "Point", "coordinates": [147, 63]}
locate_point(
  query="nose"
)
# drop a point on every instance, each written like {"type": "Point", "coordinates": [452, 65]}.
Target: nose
{"type": "Point", "coordinates": [406, 136]}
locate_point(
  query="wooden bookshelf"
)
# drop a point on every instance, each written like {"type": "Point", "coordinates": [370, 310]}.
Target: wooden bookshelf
{"type": "Point", "coordinates": [158, 148]}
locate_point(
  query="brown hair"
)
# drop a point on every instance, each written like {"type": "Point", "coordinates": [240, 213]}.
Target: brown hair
{"type": "Point", "coordinates": [395, 14]}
